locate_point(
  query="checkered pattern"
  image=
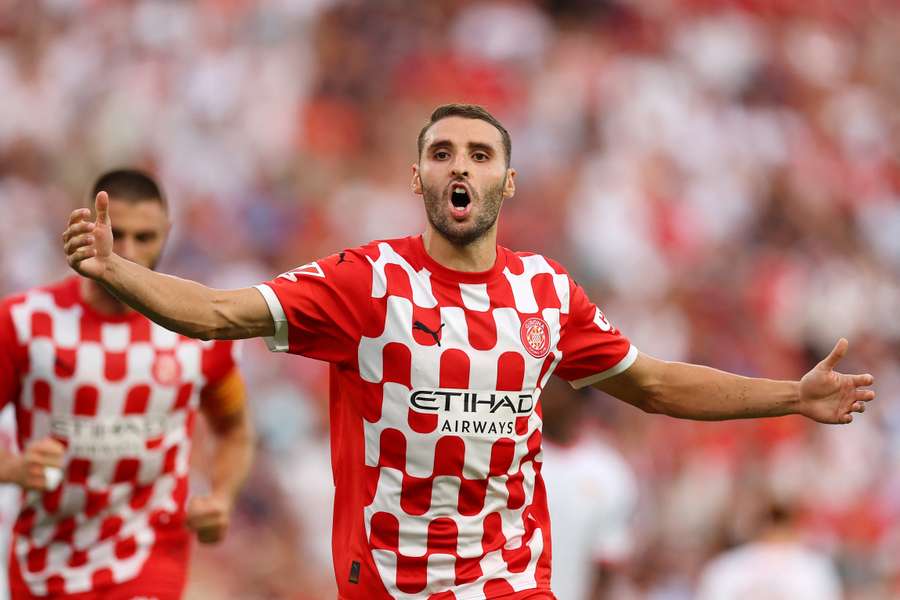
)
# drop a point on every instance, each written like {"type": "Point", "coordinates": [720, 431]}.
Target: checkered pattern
{"type": "Point", "coordinates": [436, 424]}
{"type": "Point", "coordinates": [121, 394]}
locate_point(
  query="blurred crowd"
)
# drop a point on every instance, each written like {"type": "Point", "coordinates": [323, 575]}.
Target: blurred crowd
{"type": "Point", "coordinates": [723, 177]}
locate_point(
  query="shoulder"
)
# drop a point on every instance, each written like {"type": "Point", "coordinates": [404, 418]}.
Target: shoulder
{"type": "Point", "coordinates": [48, 299]}
{"type": "Point", "coordinates": [520, 262]}
{"type": "Point", "coordinates": [62, 293]}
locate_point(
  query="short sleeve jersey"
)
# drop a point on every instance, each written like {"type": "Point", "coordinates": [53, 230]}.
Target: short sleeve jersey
{"type": "Point", "coordinates": [435, 420]}
{"type": "Point", "coordinates": [121, 394]}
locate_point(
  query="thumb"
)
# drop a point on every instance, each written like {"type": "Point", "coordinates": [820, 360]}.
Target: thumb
{"type": "Point", "coordinates": [837, 353]}
{"type": "Point", "coordinates": [101, 205]}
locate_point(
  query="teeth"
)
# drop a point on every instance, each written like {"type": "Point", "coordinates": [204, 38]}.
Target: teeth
{"type": "Point", "coordinates": [459, 191]}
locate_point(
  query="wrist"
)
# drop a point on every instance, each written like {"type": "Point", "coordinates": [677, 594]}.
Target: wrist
{"type": "Point", "coordinates": [11, 469]}
{"type": "Point", "coordinates": [224, 497]}
{"type": "Point", "coordinates": [793, 399]}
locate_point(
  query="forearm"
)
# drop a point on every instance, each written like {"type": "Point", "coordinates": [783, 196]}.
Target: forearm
{"type": "Point", "coordinates": [232, 456]}
{"type": "Point", "coordinates": [180, 305]}
{"type": "Point", "coordinates": [696, 392]}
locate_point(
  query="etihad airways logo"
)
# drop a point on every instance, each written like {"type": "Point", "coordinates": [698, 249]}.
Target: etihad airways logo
{"type": "Point", "coordinates": [490, 414]}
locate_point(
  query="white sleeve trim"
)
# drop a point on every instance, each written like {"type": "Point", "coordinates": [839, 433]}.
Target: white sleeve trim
{"type": "Point", "coordinates": [620, 367]}
{"type": "Point", "coordinates": [279, 341]}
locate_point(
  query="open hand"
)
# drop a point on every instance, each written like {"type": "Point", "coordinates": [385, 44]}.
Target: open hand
{"type": "Point", "coordinates": [827, 396]}
{"type": "Point", "coordinates": [208, 516]}
{"type": "Point", "coordinates": [88, 244]}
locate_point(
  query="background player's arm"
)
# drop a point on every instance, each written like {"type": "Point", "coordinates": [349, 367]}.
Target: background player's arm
{"type": "Point", "coordinates": [183, 306]}
{"type": "Point", "coordinates": [224, 408]}
{"type": "Point", "coordinates": [697, 392]}
{"type": "Point", "coordinates": [29, 470]}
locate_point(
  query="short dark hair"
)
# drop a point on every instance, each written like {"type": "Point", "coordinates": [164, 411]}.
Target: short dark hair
{"type": "Point", "coordinates": [466, 111]}
{"type": "Point", "coordinates": [129, 185]}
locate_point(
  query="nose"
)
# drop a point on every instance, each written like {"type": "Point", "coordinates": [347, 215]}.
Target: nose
{"type": "Point", "coordinates": [459, 168]}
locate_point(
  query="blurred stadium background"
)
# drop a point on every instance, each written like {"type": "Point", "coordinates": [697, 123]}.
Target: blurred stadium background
{"type": "Point", "coordinates": [722, 176]}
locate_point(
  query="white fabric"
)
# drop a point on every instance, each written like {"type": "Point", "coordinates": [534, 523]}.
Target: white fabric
{"type": "Point", "coordinates": [620, 367]}
{"type": "Point", "coordinates": [592, 495]}
{"type": "Point", "coordinates": [770, 571]}
{"type": "Point", "coordinates": [279, 341]}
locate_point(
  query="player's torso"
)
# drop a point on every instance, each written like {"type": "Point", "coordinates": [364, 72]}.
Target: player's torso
{"type": "Point", "coordinates": [121, 395]}
{"type": "Point", "coordinates": [454, 371]}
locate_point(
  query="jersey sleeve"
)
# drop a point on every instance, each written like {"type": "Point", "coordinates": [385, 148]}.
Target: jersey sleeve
{"type": "Point", "coordinates": [223, 394]}
{"type": "Point", "coordinates": [319, 308]}
{"type": "Point", "coordinates": [9, 375]}
{"type": "Point", "coordinates": [592, 348]}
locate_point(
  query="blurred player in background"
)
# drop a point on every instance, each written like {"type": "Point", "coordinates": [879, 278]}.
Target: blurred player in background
{"type": "Point", "coordinates": [592, 495]}
{"type": "Point", "coordinates": [105, 406]}
{"type": "Point", "coordinates": [776, 566]}
{"type": "Point", "coordinates": [440, 345]}
{"type": "Point", "coordinates": [9, 495]}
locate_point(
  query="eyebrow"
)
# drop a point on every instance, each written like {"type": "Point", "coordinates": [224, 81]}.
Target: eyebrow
{"type": "Point", "coordinates": [483, 146]}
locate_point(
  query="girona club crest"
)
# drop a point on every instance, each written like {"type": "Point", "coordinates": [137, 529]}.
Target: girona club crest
{"type": "Point", "coordinates": [166, 369]}
{"type": "Point", "coordinates": [536, 337]}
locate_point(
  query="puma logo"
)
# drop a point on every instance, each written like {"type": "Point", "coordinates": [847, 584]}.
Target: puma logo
{"type": "Point", "coordinates": [342, 258]}
{"type": "Point", "coordinates": [432, 332]}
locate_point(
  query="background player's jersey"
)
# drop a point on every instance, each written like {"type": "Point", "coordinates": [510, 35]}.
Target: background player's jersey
{"type": "Point", "coordinates": [592, 493]}
{"type": "Point", "coordinates": [436, 441]}
{"type": "Point", "coordinates": [770, 570]}
{"type": "Point", "coordinates": [121, 393]}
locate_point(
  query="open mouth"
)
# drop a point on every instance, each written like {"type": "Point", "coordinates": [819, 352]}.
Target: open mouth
{"type": "Point", "coordinates": [459, 197]}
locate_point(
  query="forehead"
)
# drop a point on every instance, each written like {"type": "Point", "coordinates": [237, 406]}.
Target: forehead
{"type": "Point", "coordinates": [462, 131]}
{"type": "Point", "coordinates": [142, 214]}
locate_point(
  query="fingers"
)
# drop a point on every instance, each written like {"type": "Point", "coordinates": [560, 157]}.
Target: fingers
{"type": "Point", "coordinates": [101, 204]}
{"type": "Point", "coordinates": [85, 239]}
{"type": "Point", "coordinates": [47, 452]}
{"type": "Point", "coordinates": [863, 380]}
{"type": "Point", "coordinates": [864, 395]}
{"type": "Point", "coordinates": [75, 229]}
{"type": "Point", "coordinates": [80, 255]}
{"type": "Point", "coordinates": [43, 464]}
{"type": "Point", "coordinates": [79, 215]}
{"type": "Point", "coordinates": [837, 353]}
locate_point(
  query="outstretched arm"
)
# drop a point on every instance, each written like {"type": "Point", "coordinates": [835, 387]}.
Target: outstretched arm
{"type": "Point", "coordinates": [180, 305]}
{"type": "Point", "coordinates": [696, 392]}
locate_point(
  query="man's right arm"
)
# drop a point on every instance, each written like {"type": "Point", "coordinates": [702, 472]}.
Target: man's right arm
{"type": "Point", "coordinates": [179, 305]}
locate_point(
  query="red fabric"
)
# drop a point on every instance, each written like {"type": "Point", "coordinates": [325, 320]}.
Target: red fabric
{"type": "Point", "coordinates": [435, 427]}
{"type": "Point", "coordinates": [163, 577]}
{"type": "Point", "coordinates": [120, 393]}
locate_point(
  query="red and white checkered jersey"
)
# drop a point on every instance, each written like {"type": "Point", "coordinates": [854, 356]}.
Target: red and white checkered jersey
{"type": "Point", "coordinates": [121, 393]}
{"type": "Point", "coordinates": [435, 421]}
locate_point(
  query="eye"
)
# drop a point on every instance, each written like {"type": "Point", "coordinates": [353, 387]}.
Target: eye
{"type": "Point", "coordinates": [480, 156]}
{"type": "Point", "coordinates": [441, 155]}
{"type": "Point", "coordinates": [145, 238]}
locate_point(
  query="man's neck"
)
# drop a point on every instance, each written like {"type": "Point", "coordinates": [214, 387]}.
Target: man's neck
{"type": "Point", "coordinates": [95, 295]}
{"type": "Point", "coordinates": [478, 256]}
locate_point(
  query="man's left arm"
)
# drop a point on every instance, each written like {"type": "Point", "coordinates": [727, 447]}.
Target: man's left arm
{"type": "Point", "coordinates": [696, 392]}
{"type": "Point", "coordinates": [224, 407]}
